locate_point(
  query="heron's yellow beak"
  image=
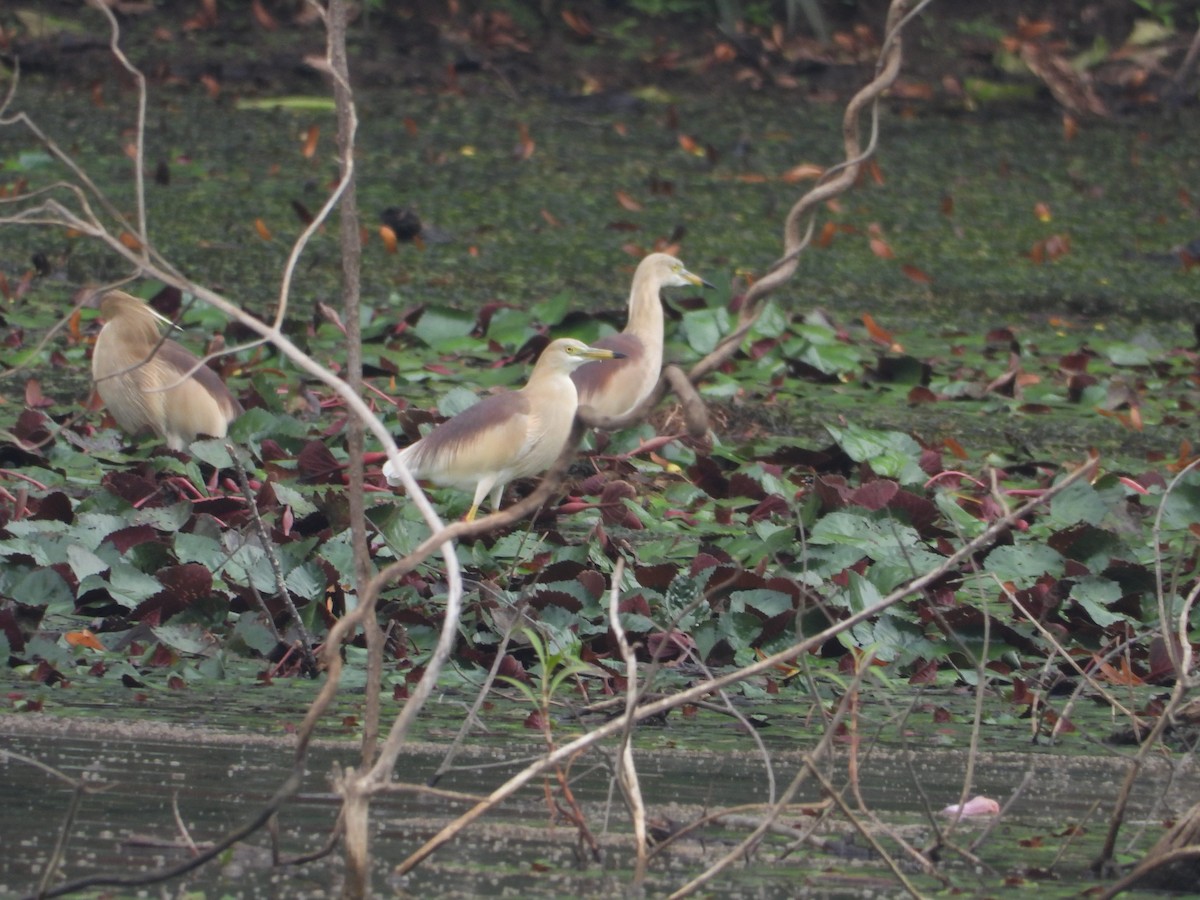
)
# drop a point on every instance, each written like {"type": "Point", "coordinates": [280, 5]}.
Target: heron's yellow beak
{"type": "Point", "coordinates": [601, 353]}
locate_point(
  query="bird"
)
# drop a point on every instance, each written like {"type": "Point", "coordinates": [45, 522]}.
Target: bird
{"type": "Point", "coordinates": [137, 374]}
{"type": "Point", "coordinates": [504, 436]}
{"type": "Point", "coordinates": [614, 389]}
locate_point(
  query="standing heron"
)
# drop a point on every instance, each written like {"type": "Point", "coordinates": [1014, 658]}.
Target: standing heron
{"type": "Point", "coordinates": [151, 383]}
{"type": "Point", "coordinates": [504, 436]}
{"type": "Point", "coordinates": [615, 388]}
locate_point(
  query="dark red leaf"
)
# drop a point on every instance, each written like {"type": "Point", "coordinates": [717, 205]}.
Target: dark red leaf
{"type": "Point", "coordinates": [317, 465]}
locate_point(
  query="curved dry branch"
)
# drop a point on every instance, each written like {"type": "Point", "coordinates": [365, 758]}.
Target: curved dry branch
{"type": "Point", "coordinates": [797, 234]}
{"type": "Point", "coordinates": [837, 180]}
{"type": "Point", "coordinates": [766, 664]}
{"type": "Point", "coordinates": [148, 262]}
{"type": "Point", "coordinates": [289, 787]}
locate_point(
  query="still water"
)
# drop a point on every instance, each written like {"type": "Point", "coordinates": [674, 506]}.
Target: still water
{"type": "Point", "coordinates": [216, 781]}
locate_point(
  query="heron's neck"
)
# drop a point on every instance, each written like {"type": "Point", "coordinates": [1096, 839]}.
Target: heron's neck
{"type": "Point", "coordinates": [646, 314]}
{"type": "Point", "coordinates": [141, 330]}
{"type": "Point", "coordinates": [556, 381]}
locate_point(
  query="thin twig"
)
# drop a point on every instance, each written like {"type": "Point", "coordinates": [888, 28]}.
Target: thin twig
{"type": "Point", "coordinates": [268, 546]}
{"type": "Point", "coordinates": [696, 692]}
{"type": "Point", "coordinates": [626, 769]}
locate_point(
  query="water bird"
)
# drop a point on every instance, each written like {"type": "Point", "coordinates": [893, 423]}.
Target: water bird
{"type": "Point", "coordinates": [137, 374]}
{"type": "Point", "coordinates": [504, 436]}
{"type": "Point", "coordinates": [615, 388]}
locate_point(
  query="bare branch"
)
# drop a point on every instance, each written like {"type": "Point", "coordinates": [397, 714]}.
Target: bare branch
{"type": "Point", "coordinates": [767, 663]}
{"type": "Point", "coordinates": [626, 768]}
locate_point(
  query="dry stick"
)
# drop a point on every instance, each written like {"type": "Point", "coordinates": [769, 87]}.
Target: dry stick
{"type": "Point", "coordinates": [865, 832]}
{"type": "Point", "coordinates": [999, 817]}
{"type": "Point", "coordinates": [80, 787]}
{"type": "Point", "coordinates": [852, 769]}
{"type": "Point", "coordinates": [1076, 695]}
{"type": "Point", "coordinates": [721, 814]}
{"type": "Point", "coordinates": [351, 253]}
{"type": "Point", "coordinates": [1186, 68]}
{"type": "Point", "coordinates": [53, 213]}
{"type": "Point", "coordinates": [626, 770]}
{"type": "Point", "coordinates": [810, 759]}
{"type": "Point", "coordinates": [472, 715]}
{"type": "Point", "coordinates": [695, 412]}
{"type": "Point", "coordinates": [976, 724]}
{"type": "Point", "coordinates": [1074, 832]}
{"type": "Point", "coordinates": [63, 158]}
{"type": "Point", "coordinates": [281, 588]}
{"type": "Point", "coordinates": [149, 262]}
{"type": "Point", "coordinates": [1192, 851]}
{"type": "Point", "coordinates": [727, 706]}
{"type": "Point", "coordinates": [1181, 659]}
{"type": "Point", "coordinates": [441, 539]}
{"type": "Point", "coordinates": [139, 144]}
{"type": "Point", "coordinates": [289, 787]}
{"type": "Point", "coordinates": [836, 180]}
{"type": "Point", "coordinates": [60, 845]}
{"type": "Point", "coordinates": [179, 823]}
{"type": "Point", "coordinates": [1012, 598]}
{"type": "Point", "coordinates": [1179, 653]}
{"type": "Point", "coordinates": [696, 692]}
{"type": "Point", "coordinates": [1135, 767]}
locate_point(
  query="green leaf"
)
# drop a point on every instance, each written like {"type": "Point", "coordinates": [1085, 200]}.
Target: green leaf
{"type": "Point", "coordinates": [213, 452]}
{"type": "Point", "coordinates": [636, 623]}
{"type": "Point", "coordinates": [772, 322]}
{"type": "Point", "coordinates": [892, 454]}
{"type": "Point", "coordinates": [254, 634]}
{"type": "Point", "coordinates": [740, 629]}
{"type": "Point", "coordinates": [250, 565]}
{"type": "Point", "coordinates": [443, 328]}
{"type": "Point", "coordinates": [964, 522]}
{"type": "Point", "coordinates": [307, 581]}
{"type": "Point", "coordinates": [767, 602]}
{"type": "Point", "coordinates": [91, 529]}
{"type": "Point", "coordinates": [510, 328]}
{"type": "Point", "coordinates": [1094, 594]}
{"type": "Point", "coordinates": [1180, 508]}
{"type": "Point", "coordinates": [703, 328]}
{"type": "Point", "coordinates": [1079, 503]}
{"type": "Point", "coordinates": [1023, 564]}
{"type": "Point", "coordinates": [456, 400]}
{"type": "Point", "coordinates": [52, 650]}
{"type": "Point", "coordinates": [199, 548]}
{"type": "Point", "coordinates": [32, 159]}
{"type": "Point", "coordinates": [289, 496]}
{"type": "Point", "coordinates": [44, 588]}
{"type": "Point", "coordinates": [164, 518]}
{"type": "Point", "coordinates": [190, 639]}
{"type": "Point", "coordinates": [552, 310]}
{"type": "Point", "coordinates": [129, 586]}
{"type": "Point", "coordinates": [1122, 354]}
{"type": "Point", "coordinates": [861, 593]}
{"type": "Point", "coordinates": [255, 424]}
